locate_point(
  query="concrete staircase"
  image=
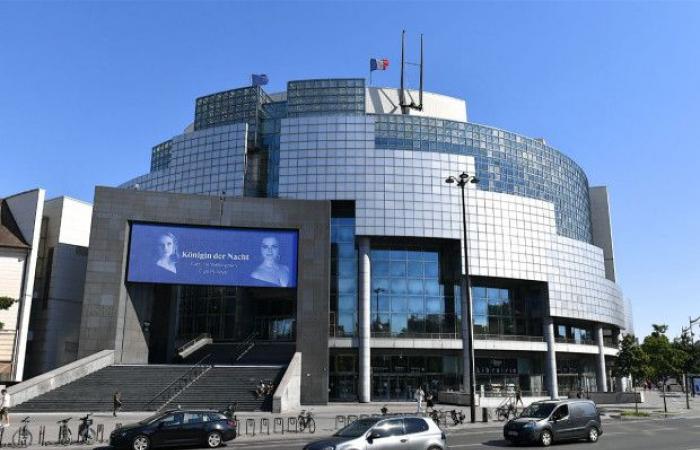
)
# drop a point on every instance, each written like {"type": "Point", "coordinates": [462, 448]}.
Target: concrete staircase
{"type": "Point", "coordinates": [137, 384]}
{"type": "Point", "coordinates": [221, 386]}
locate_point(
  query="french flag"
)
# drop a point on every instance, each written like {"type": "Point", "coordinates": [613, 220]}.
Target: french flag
{"type": "Point", "coordinates": [378, 64]}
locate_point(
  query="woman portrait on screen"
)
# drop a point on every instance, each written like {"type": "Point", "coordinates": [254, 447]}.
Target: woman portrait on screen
{"type": "Point", "coordinates": [167, 252]}
{"type": "Point", "coordinates": [270, 270]}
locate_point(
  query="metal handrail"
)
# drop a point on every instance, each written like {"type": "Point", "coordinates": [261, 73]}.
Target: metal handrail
{"type": "Point", "coordinates": [190, 343]}
{"type": "Point", "coordinates": [244, 346]}
{"type": "Point", "coordinates": [563, 340]}
{"type": "Point", "coordinates": [410, 335]}
{"type": "Point", "coordinates": [184, 377]}
{"type": "Point", "coordinates": [508, 337]}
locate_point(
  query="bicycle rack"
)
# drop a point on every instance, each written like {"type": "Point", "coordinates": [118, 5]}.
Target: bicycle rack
{"type": "Point", "coordinates": [265, 422]}
{"type": "Point", "coordinates": [351, 418]}
{"type": "Point", "coordinates": [339, 420]}
{"type": "Point", "coordinates": [278, 421]}
{"type": "Point", "coordinates": [292, 421]}
{"type": "Point", "coordinates": [42, 435]}
{"type": "Point", "coordinates": [100, 433]}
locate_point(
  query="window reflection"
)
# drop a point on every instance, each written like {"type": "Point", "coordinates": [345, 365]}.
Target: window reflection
{"type": "Point", "coordinates": [418, 286]}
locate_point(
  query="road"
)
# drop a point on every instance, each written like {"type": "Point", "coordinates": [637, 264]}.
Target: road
{"type": "Point", "coordinates": [669, 434]}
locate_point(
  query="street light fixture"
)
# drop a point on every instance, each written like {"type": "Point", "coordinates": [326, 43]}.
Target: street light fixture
{"type": "Point", "coordinates": [469, 378]}
{"type": "Point", "coordinates": [691, 322]}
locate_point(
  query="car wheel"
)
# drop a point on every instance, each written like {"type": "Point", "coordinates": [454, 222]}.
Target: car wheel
{"type": "Point", "coordinates": [546, 438]}
{"type": "Point", "coordinates": [214, 439]}
{"type": "Point", "coordinates": [593, 434]}
{"type": "Point", "coordinates": [140, 442]}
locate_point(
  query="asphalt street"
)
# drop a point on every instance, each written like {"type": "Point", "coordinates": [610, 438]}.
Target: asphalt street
{"type": "Point", "coordinates": [667, 434]}
{"type": "Point", "coordinates": [661, 434]}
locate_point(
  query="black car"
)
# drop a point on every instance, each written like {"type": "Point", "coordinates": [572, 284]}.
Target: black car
{"type": "Point", "coordinates": [175, 428]}
{"type": "Point", "coordinates": [546, 422]}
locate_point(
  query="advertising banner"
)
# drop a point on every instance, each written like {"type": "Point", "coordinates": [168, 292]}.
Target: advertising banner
{"type": "Point", "coordinates": [177, 254]}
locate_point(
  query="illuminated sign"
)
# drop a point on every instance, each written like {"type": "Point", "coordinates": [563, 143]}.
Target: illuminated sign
{"type": "Point", "coordinates": [176, 254]}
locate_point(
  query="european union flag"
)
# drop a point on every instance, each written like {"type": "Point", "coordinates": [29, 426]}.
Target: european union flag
{"type": "Point", "coordinates": [259, 80]}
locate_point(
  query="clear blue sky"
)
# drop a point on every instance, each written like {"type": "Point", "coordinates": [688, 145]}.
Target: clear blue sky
{"type": "Point", "coordinates": [87, 88]}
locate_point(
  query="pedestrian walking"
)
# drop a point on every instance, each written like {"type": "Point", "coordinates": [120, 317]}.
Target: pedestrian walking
{"type": "Point", "coordinates": [429, 400]}
{"type": "Point", "coordinates": [519, 397]}
{"type": "Point", "coordinates": [419, 396]}
{"type": "Point", "coordinates": [117, 403]}
{"type": "Point", "coordinates": [4, 408]}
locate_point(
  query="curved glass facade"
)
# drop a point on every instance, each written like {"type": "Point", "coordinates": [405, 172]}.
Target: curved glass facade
{"type": "Point", "coordinates": [505, 162]}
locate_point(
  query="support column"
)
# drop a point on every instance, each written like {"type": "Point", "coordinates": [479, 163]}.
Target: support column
{"type": "Point", "coordinates": [364, 386]}
{"type": "Point", "coordinates": [601, 373]}
{"type": "Point", "coordinates": [551, 359]}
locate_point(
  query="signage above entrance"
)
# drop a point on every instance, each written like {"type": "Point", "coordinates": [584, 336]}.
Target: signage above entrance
{"type": "Point", "coordinates": [177, 254]}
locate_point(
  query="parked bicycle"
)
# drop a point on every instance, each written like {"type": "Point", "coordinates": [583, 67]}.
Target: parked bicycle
{"type": "Point", "coordinates": [506, 412]}
{"type": "Point", "coordinates": [86, 434]}
{"type": "Point", "coordinates": [64, 434]}
{"type": "Point", "coordinates": [435, 415]}
{"type": "Point", "coordinates": [457, 417]}
{"type": "Point", "coordinates": [22, 437]}
{"type": "Point", "coordinates": [306, 421]}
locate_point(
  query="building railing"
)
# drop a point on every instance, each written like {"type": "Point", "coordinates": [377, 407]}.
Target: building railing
{"type": "Point", "coordinates": [563, 340]}
{"type": "Point", "coordinates": [508, 337]}
{"type": "Point", "coordinates": [409, 335]}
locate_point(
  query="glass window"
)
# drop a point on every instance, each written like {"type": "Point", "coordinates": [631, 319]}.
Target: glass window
{"type": "Point", "coordinates": [561, 412]}
{"type": "Point", "coordinates": [393, 427]}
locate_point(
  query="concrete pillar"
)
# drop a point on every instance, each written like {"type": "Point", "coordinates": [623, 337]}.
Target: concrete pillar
{"type": "Point", "coordinates": [551, 359]}
{"type": "Point", "coordinates": [601, 373]}
{"type": "Point", "coordinates": [364, 383]}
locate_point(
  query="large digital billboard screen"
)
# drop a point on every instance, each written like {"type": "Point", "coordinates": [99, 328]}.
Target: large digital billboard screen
{"type": "Point", "coordinates": [176, 254]}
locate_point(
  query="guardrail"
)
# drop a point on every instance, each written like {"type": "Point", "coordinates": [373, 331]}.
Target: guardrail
{"type": "Point", "coordinates": [508, 337]}
{"type": "Point", "coordinates": [562, 340]}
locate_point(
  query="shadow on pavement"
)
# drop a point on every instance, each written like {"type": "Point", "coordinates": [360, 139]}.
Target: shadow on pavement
{"type": "Point", "coordinates": [497, 443]}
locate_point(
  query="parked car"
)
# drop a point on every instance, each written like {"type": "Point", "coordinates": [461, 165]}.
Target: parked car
{"type": "Point", "coordinates": [175, 429]}
{"type": "Point", "coordinates": [549, 421]}
{"type": "Point", "coordinates": [380, 433]}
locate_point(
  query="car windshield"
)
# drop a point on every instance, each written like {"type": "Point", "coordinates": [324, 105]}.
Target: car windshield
{"type": "Point", "coordinates": [356, 429]}
{"type": "Point", "coordinates": [538, 410]}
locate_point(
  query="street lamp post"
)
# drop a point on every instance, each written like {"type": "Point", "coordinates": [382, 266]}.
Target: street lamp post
{"type": "Point", "coordinates": [469, 378]}
{"type": "Point", "coordinates": [691, 322]}
{"type": "Point", "coordinates": [377, 291]}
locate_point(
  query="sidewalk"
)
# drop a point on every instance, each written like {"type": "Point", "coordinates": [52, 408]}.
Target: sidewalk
{"type": "Point", "coordinates": [325, 418]}
{"type": "Point", "coordinates": [654, 405]}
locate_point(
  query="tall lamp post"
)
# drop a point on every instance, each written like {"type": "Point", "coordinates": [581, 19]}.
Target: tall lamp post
{"type": "Point", "coordinates": [691, 322]}
{"type": "Point", "coordinates": [467, 328]}
{"type": "Point", "coordinates": [377, 291]}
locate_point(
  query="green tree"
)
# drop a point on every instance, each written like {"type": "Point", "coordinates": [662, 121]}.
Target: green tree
{"type": "Point", "coordinates": [665, 360]}
{"type": "Point", "coordinates": [631, 360]}
{"type": "Point", "coordinates": [5, 303]}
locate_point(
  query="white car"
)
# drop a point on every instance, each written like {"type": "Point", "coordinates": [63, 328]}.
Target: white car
{"type": "Point", "coordinates": [380, 433]}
